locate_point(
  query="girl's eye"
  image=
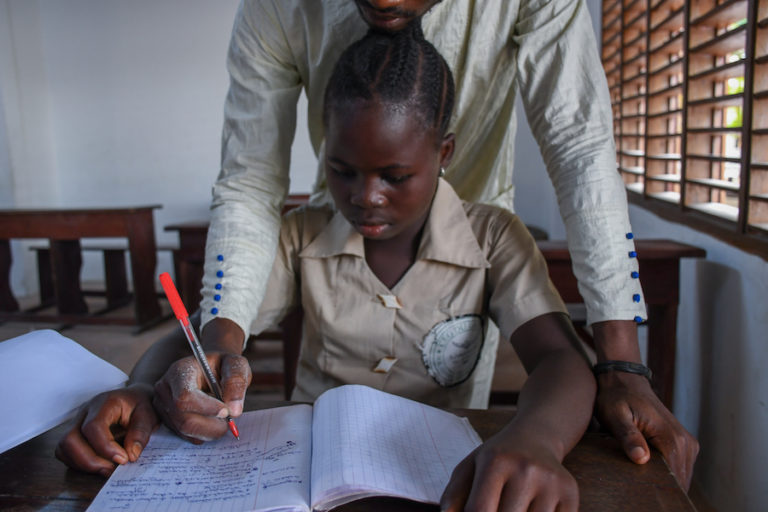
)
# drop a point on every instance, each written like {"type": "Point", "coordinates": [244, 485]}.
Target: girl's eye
{"type": "Point", "coordinates": [343, 173]}
{"type": "Point", "coordinates": [398, 179]}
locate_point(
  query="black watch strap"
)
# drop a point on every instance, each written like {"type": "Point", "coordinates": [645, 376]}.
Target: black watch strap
{"type": "Point", "coordinates": [622, 366]}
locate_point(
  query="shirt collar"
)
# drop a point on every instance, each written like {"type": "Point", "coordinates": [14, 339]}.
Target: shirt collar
{"type": "Point", "coordinates": [447, 237]}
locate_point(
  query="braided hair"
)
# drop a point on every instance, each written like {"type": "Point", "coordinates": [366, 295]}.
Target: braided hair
{"type": "Point", "coordinates": [399, 69]}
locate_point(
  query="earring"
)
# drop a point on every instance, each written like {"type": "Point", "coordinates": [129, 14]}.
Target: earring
{"type": "Point", "coordinates": [441, 173]}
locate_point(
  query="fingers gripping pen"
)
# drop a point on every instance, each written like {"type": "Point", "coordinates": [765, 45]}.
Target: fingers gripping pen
{"type": "Point", "coordinates": [181, 313]}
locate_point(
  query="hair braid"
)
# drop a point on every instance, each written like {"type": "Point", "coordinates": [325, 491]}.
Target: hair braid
{"type": "Point", "coordinates": [400, 68]}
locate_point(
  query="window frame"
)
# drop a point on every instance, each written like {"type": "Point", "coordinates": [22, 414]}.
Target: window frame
{"type": "Point", "coordinates": [667, 77]}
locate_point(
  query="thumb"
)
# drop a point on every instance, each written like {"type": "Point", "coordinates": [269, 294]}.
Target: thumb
{"type": "Point", "coordinates": [621, 422]}
{"type": "Point", "coordinates": [457, 491]}
{"type": "Point", "coordinates": [632, 441]}
{"type": "Point", "coordinates": [235, 378]}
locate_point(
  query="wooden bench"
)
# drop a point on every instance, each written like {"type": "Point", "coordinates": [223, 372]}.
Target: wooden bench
{"type": "Point", "coordinates": [64, 228]}
{"type": "Point", "coordinates": [115, 290]}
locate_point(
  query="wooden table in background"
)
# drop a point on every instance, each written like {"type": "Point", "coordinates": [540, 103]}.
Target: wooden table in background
{"type": "Point", "coordinates": [32, 479]}
{"type": "Point", "coordinates": [64, 228]}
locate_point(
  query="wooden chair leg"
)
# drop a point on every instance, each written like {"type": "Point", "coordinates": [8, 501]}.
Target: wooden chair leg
{"type": "Point", "coordinates": [66, 261]}
{"type": "Point", "coordinates": [45, 278]}
{"type": "Point", "coordinates": [7, 300]}
{"type": "Point", "coordinates": [116, 278]}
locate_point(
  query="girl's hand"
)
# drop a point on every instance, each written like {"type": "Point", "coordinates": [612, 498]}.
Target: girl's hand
{"type": "Point", "coordinates": [191, 412]}
{"type": "Point", "coordinates": [511, 473]}
{"type": "Point", "coordinates": [91, 444]}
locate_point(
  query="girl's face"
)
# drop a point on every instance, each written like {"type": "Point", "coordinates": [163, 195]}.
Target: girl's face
{"type": "Point", "coordinates": [381, 166]}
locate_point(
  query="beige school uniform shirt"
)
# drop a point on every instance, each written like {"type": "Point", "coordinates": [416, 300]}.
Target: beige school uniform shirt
{"type": "Point", "coordinates": [542, 50]}
{"type": "Point", "coordinates": [474, 262]}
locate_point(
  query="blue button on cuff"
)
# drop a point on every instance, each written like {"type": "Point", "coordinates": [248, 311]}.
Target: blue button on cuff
{"type": "Point", "coordinates": [638, 319]}
{"type": "Point", "coordinates": [218, 286]}
{"type": "Point", "coordinates": [635, 274]}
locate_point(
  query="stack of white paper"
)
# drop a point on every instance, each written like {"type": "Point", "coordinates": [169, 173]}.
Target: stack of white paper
{"type": "Point", "coordinates": [45, 378]}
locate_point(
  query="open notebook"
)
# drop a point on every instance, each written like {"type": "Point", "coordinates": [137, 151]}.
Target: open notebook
{"type": "Point", "coordinates": [355, 442]}
{"type": "Point", "coordinates": [45, 377]}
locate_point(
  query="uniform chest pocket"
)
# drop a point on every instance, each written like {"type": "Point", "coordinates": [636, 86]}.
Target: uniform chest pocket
{"type": "Point", "coordinates": [451, 349]}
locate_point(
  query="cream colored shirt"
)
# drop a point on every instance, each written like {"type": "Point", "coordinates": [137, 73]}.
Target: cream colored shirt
{"type": "Point", "coordinates": [542, 49]}
{"type": "Point", "coordinates": [475, 262]}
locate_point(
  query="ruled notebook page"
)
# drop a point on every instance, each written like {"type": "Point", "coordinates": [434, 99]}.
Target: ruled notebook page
{"type": "Point", "coordinates": [267, 469]}
{"type": "Point", "coordinates": [369, 443]}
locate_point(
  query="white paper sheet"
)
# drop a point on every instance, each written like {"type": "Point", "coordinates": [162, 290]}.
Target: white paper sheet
{"type": "Point", "coordinates": [370, 443]}
{"type": "Point", "coordinates": [44, 378]}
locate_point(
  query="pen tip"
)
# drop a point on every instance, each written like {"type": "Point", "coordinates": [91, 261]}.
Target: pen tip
{"type": "Point", "coordinates": [233, 429]}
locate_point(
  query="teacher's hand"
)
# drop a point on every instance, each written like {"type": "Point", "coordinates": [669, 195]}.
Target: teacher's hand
{"type": "Point", "coordinates": [628, 407]}
{"type": "Point", "coordinates": [91, 445]}
{"type": "Point", "coordinates": [193, 414]}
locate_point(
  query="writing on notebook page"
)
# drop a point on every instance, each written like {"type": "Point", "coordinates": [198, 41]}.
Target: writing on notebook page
{"type": "Point", "coordinates": [355, 442]}
{"type": "Point", "coordinates": [221, 475]}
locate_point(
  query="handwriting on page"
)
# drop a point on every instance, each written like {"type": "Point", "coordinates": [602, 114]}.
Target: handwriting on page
{"type": "Point", "coordinates": [269, 462]}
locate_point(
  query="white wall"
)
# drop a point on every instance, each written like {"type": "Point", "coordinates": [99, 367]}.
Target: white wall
{"type": "Point", "coordinates": [721, 384]}
{"type": "Point", "coordinates": [110, 103]}
{"type": "Point", "coordinates": [114, 103]}
{"type": "Point", "coordinates": [106, 102]}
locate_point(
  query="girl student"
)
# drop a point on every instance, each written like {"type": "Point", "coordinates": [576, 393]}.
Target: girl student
{"type": "Point", "coordinates": [399, 279]}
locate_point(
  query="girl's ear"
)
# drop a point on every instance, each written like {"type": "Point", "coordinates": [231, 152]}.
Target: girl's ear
{"type": "Point", "coordinates": [446, 149]}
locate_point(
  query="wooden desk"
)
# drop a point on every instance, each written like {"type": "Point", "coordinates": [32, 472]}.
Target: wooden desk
{"type": "Point", "coordinates": [659, 262]}
{"type": "Point", "coordinates": [64, 228]}
{"type": "Point", "coordinates": [32, 479]}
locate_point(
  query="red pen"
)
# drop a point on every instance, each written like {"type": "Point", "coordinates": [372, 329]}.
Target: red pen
{"type": "Point", "coordinates": [181, 313]}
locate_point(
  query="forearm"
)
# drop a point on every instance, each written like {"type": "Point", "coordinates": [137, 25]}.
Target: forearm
{"type": "Point", "coordinates": [556, 402]}
{"type": "Point", "coordinates": [159, 357]}
{"type": "Point", "coordinates": [222, 335]}
{"type": "Point", "coordinates": [616, 340]}
{"type": "Point", "coordinates": [219, 335]}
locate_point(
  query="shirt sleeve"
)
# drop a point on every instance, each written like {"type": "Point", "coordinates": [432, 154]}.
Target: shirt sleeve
{"type": "Point", "coordinates": [282, 290]}
{"type": "Point", "coordinates": [565, 95]}
{"type": "Point", "coordinates": [259, 126]}
{"type": "Point", "coordinates": [518, 279]}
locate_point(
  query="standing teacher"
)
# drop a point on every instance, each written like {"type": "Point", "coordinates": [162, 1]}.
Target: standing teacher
{"type": "Point", "coordinates": [543, 50]}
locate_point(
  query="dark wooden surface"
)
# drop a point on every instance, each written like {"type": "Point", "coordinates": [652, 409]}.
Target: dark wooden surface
{"type": "Point", "coordinates": [64, 228]}
{"type": "Point", "coordinates": [32, 479]}
{"type": "Point", "coordinates": [659, 262]}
